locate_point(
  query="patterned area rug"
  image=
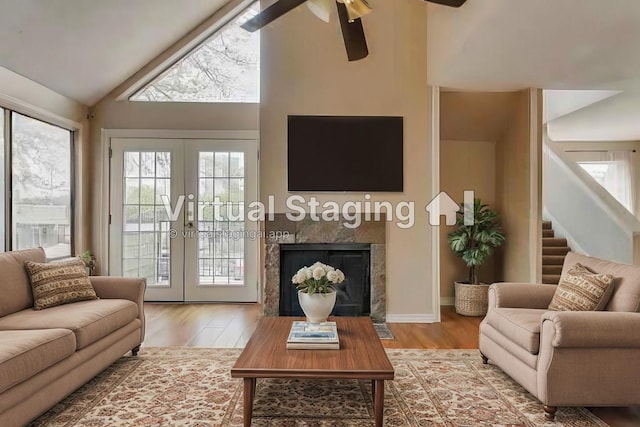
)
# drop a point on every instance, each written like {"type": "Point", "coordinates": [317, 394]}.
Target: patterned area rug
{"type": "Point", "coordinates": [192, 387]}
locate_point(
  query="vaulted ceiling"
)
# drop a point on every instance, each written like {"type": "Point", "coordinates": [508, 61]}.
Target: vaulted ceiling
{"type": "Point", "coordinates": [84, 49]}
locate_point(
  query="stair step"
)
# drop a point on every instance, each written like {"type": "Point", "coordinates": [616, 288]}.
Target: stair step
{"type": "Point", "coordinates": [547, 233]}
{"type": "Point", "coordinates": [552, 269]}
{"type": "Point", "coordinates": [555, 250]}
{"type": "Point", "coordinates": [553, 241]}
{"type": "Point", "coordinates": [552, 259]}
{"type": "Point", "coordinates": [550, 279]}
{"type": "Point", "coordinates": [546, 225]}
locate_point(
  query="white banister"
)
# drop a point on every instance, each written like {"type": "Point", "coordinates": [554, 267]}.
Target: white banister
{"type": "Point", "coordinates": [588, 213]}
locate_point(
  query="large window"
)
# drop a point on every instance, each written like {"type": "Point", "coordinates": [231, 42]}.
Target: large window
{"type": "Point", "coordinates": [225, 68]}
{"type": "Point", "coordinates": [613, 171]}
{"type": "Point", "coordinates": [36, 170]}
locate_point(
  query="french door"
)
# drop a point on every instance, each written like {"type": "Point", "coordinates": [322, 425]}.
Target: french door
{"type": "Point", "coordinates": [178, 217]}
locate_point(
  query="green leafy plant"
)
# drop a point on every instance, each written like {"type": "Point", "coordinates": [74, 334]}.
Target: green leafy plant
{"type": "Point", "coordinates": [88, 259]}
{"type": "Point", "coordinates": [475, 243]}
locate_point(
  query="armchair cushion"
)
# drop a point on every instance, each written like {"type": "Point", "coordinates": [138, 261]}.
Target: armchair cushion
{"type": "Point", "coordinates": [520, 325]}
{"type": "Point", "coordinates": [582, 290]}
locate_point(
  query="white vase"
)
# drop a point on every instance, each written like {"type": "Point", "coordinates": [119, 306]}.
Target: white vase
{"type": "Point", "coordinates": [317, 307]}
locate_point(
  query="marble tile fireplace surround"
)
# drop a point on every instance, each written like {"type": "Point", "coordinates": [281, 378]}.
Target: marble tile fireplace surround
{"type": "Point", "coordinates": [371, 232]}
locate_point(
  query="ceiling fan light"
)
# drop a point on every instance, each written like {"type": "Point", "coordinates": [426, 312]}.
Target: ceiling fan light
{"type": "Point", "coordinates": [356, 8]}
{"type": "Point", "coordinates": [321, 8]}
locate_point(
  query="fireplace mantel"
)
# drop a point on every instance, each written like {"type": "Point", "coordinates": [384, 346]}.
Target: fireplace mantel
{"type": "Point", "coordinates": [371, 232]}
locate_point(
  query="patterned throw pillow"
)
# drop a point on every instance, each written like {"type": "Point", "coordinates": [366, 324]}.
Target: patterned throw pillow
{"type": "Point", "coordinates": [58, 283]}
{"type": "Point", "coordinates": [582, 290]}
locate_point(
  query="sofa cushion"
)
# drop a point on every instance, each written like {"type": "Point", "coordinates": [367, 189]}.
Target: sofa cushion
{"type": "Point", "coordinates": [582, 290]}
{"type": "Point", "coordinates": [25, 353]}
{"type": "Point", "coordinates": [14, 281]}
{"type": "Point", "coordinates": [626, 282]}
{"type": "Point", "coordinates": [520, 325]}
{"type": "Point", "coordinates": [89, 320]}
{"type": "Point", "coordinates": [57, 283]}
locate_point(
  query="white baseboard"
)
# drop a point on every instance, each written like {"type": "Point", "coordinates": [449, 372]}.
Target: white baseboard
{"type": "Point", "coordinates": [447, 301]}
{"type": "Point", "coordinates": [411, 318]}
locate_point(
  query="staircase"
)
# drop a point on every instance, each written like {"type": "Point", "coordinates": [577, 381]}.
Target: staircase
{"type": "Point", "coordinates": [553, 251]}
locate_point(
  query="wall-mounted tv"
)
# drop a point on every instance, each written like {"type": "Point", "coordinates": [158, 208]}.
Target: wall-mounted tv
{"type": "Point", "coordinates": [345, 153]}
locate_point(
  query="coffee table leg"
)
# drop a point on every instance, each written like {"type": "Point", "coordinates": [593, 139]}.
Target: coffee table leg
{"type": "Point", "coordinates": [378, 401]}
{"type": "Point", "coordinates": [249, 392]}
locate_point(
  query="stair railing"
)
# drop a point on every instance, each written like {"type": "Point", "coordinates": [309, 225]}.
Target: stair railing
{"type": "Point", "coordinates": [588, 213]}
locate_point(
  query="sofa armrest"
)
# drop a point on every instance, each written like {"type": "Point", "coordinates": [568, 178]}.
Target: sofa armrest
{"type": "Point", "coordinates": [594, 329]}
{"type": "Point", "coordinates": [520, 295]}
{"type": "Point", "coordinates": [129, 288]}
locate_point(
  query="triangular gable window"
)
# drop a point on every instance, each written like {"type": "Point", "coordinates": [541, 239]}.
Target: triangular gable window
{"type": "Point", "coordinates": [225, 68]}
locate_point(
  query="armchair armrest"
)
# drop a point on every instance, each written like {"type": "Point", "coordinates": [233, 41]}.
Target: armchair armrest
{"type": "Point", "coordinates": [520, 295]}
{"type": "Point", "coordinates": [594, 329]}
{"type": "Point", "coordinates": [129, 288]}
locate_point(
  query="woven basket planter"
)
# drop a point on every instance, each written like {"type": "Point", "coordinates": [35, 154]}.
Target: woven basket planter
{"type": "Point", "coordinates": [471, 300]}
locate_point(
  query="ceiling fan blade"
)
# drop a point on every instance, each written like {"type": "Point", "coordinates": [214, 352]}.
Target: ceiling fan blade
{"type": "Point", "coordinates": [452, 3]}
{"type": "Point", "coordinates": [353, 35]}
{"type": "Point", "coordinates": [320, 8]}
{"type": "Point", "coordinates": [270, 14]}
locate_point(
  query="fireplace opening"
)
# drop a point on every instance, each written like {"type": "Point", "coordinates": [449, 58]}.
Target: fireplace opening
{"type": "Point", "coordinates": [353, 295]}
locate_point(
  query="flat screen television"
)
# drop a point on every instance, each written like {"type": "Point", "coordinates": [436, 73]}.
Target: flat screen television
{"type": "Point", "coordinates": [345, 153]}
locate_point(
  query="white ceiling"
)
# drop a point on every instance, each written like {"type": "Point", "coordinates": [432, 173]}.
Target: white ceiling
{"type": "Point", "coordinates": [586, 51]}
{"type": "Point", "coordinates": [85, 48]}
{"type": "Point", "coordinates": [550, 44]}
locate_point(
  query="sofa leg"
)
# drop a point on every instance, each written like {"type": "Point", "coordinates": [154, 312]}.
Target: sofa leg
{"type": "Point", "coordinates": [135, 350]}
{"type": "Point", "coordinates": [485, 359]}
{"type": "Point", "coordinates": [550, 412]}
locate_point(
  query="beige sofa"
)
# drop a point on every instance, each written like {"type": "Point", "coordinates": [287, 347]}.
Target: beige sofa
{"type": "Point", "coordinates": [47, 354]}
{"type": "Point", "coordinates": [568, 358]}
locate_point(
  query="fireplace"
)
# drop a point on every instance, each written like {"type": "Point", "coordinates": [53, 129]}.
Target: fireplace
{"type": "Point", "coordinates": [354, 294]}
{"type": "Point", "coordinates": [283, 233]}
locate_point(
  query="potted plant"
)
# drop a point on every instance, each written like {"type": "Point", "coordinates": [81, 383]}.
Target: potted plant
{"type": "Point", "coordinates": [316, 292]}
{"type": "Point", "coordinates": [474, 243]}
{"type": "Point", "coordinates": [89, 261]}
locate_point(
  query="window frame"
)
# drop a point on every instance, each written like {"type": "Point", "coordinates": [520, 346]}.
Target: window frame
{"type": "Point", "coordinates": [7, 117]}
{"type": "Point", "coordinates": [184, 48]}
{"type": "Point", "coordinates": [215, 31]}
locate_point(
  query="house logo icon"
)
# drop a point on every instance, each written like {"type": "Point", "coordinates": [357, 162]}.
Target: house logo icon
{"type": "Point", "coordinates": [444, 205]}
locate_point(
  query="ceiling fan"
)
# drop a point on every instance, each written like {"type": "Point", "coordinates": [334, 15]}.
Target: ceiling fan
{"type": "Point", "coordinates": [350, 13]}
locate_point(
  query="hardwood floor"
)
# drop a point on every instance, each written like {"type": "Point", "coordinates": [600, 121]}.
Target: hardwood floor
{"type": "Point", "coordinates": [231, 325]}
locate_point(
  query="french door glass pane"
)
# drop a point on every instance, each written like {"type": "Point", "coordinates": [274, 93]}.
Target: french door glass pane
{"type": "Point", "coordinates": [41, 193]}
{"type": "Point", "coordinates": [221, 181]}
{"type": "Point", "coordinates": [145, 239]}
{"type": "Point", "coordinates": [2, 181]}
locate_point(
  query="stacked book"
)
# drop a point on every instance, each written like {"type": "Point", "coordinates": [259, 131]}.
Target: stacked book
{"type": "Point", "coordinates": [313, 336]}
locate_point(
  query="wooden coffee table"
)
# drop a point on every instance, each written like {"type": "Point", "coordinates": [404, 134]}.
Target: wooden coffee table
{"type": "Point", "coordinates": [361, 356]}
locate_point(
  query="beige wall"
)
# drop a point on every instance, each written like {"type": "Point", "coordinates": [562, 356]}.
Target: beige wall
{"type": "Point", "coordinates": [465, 165]}
{"type": "Point", "coordinates": [305, 71]}
{"type": "Point", "coordinates": [475, 116]}
{"type": "Point", "coordinates": [28, 97]}
{"type": "Point", "coordinates": [471, 123]}
{"type": "Point", "coordinates": [514, 197]}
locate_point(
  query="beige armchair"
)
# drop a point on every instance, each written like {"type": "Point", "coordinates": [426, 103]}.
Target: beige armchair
{"type": "Point", "coordinates": [568, 358]}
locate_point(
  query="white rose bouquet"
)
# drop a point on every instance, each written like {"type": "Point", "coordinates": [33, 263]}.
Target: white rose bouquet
{"type": "Point", "coordinates": [319, 278]}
